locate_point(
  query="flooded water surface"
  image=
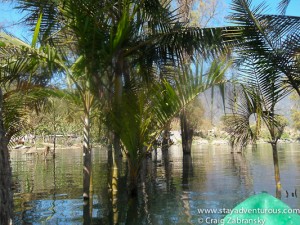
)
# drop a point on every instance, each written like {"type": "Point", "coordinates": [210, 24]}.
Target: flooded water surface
{"type": "Point", "coordinates": [176, 190]}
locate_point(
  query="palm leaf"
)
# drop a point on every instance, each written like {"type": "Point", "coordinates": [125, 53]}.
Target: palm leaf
{"type": "Point", "coordinates": [265, 42]}
{"type": "Point", "coordinates": [18, 105]}
{"type": "Point", "coordinates": [282, 6]}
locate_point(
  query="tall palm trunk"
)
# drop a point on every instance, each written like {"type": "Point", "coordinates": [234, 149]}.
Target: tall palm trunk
{"type": "Point", "coordinates": [86, 213]}
{"type": "Point", "coordinates": [117, 146]}
{"type": "Point", "coordinates": [134, 171]}
{"type": "Point", "coordinates": [166, 138]}
{"type": "Point", "coordinates": [6, 197]}
{"type": "Point", "coordinates": [87, 156]}
{"type": "Point", "coordinates": [121, 76]}
{"type": "Point", "coordinates": [186, 133]}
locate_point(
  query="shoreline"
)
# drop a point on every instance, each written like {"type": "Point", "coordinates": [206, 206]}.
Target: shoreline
{"type": "Point", "coordinates": [197, 141]}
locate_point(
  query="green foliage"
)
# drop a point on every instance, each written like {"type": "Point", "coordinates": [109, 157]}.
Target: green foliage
{"type": "Point", "coordinates": [144, 110]}
{"type": "Point", "coordinates": [58, 117]}
{"type": "Point", "coordinates": [281, 123]}
{"type": "Point", "coordinates": [25, 74]}
{"type": "Point", "coordinates": [285, 135]}
{"type": "Point", "coordinates": [250, 102]}
{"type": "Point", "coordinates": [195, 114]}
{"type": "Point", "coordinates": [268, 69]}
{"type": "Point", "coordinates": [296, 118]}
{"type": "Point", "coordinates": [36, 31]}
{"type": "Point", "coordinates": [295, 111]}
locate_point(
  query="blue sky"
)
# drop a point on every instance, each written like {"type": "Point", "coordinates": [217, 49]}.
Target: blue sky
{"type": "Point", "coordinates": [293, 9]}
{"type": "Point", "coordinates": [10, 17]}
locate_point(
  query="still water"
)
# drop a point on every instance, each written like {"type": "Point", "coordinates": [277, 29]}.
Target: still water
{"type": "Point", "coordinates": [49, 192]}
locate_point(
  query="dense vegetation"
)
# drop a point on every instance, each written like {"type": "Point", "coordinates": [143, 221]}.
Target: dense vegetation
{"type": "Point", "coordinates": [128, 68]}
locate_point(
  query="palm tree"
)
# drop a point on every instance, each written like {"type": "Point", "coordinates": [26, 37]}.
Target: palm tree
{"type": "Point", "coordinates": [186, 8]}
{"type": "Point", "coordinates": [23, 75]}
{"type": "Point", "coordinates": [273, 41]}
{"type": "Point", "coordinates": [269, 58]}
{"type": "Point", "coordinates": [258, 97]}
{"type": "Point", "coordinates": [146, 111]}
{"type": "Point", "coordinates": [83, 97]}
{"type": "Point", "coordinates": [187, 128]}
{"type": "Point", "coordinates": [26, 70]}
{"type": "Point", "coordinates": [118, 40]}
{"type": "Point", "coordinates": [116, 36]}
{"type": "Point", "coordinates": [76, 69]}
{"type": "Point", "coordinates": [237, 122]}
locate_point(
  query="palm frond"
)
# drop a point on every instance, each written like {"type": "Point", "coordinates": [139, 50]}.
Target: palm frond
{"type": "Point", "coordinates": [143, 111]}
{"type": "Point", "coordinates": [283, 5]}
{"type": "Point", "coordinates": [265, 38]}
{"type": "Point", "coordinates": [19, 103]}
{"type": "Point", "coordinates": [19, 60]}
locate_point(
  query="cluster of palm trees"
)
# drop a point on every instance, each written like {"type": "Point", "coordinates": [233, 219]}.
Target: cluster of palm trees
{"type": "Point", "coordinates": [136, 61]}
{"type": "Point", "coordinates": [268, 62]}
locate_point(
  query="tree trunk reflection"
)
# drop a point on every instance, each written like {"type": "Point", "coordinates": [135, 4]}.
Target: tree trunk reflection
{"type": "Point", "coordinates": [187, 172]}
{"type": "Point", "coordinates": [276, 171]}
{"type": "Point", "coordinates": [6, 196]}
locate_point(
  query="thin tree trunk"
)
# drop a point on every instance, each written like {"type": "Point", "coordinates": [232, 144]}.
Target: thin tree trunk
{"type": "Point", "coordinates": [118, 82]}
{"type": "Point", "coordinates": [136, 169]}
{"type": "Point", "coordinates": [55, 130]}
{"type": "Point", "coordinates": [186, 133]}
{"type": "Point", "coordinates": [6, 196]}
{"type": "Point", "coordinates": [114, 185]}
{"type": "Point", "coordinates": [87, 156]}
{"type": "Point", "coordinates": [117, 146]}
{"type": "Point", "coordinates": [155, 153]}
{"type": "Point", "coordinates": [167, 169]}
{"type": "Point", "coordinates": [166, 139]}
{"type": "Point", "coordinates": [113, 163]}
{"type": "Point", "coordinates": [276, 171]}
{"type": "Point", "coordinates": [133, 171]}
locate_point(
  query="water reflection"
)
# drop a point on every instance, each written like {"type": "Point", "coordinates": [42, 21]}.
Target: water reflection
{"type": "Point", "coordinates": [173, 188]}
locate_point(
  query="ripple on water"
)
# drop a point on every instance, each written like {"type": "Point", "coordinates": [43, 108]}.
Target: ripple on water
{"type": "Point", "coordinates": [52, 211]}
